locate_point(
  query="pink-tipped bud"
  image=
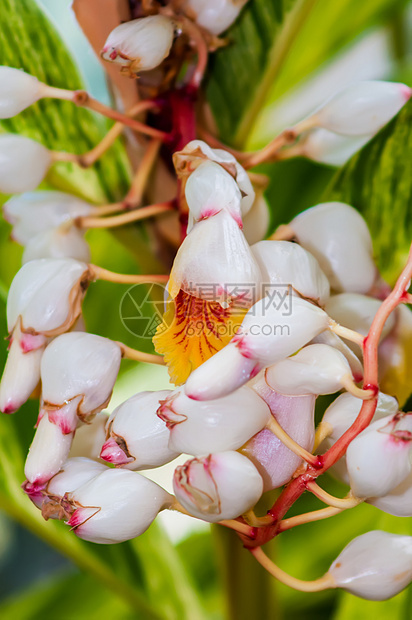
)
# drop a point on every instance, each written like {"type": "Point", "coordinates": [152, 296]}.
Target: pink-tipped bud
{"type": "Point", "coordinates": [274, 328]}
{"type": "Point", "coordinates": [362, 108]}
{"type": "Point", "coordinates": [23, 163]}
{"type": "Point", "coordinates": [315, 369]}
{"type": "Point", "coordinates": [218, 486]}
{"type": "Point", "coordinates": [338, 237]}
{"type": "Point", "coordinates": [34, 212]}
{"type": "Point", "coordinates": [375, 566]}
{"type": "Point", "coordinates": [137, 437]}
{"type": "Point", "coordinates": [198, 427]}
{"type": "Point", "coordinates": [379, 459]}
{"type": "Point", "coordinates": [214, 15]}
{"type": "Point", "coordinates": [210, 189]}
{"type": "Point", "coordinates": [140, 44]}
{"type": "Point", "coordinates": [283, 264]}
{"type": "Point", "coordinates": [18, 91]}
{"type": "Point", "coordinates": [115, 506]}
{"type": "Point", "coordinates": [47, 295]}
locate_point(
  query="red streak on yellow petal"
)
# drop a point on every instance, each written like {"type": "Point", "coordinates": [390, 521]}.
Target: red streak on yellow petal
{"type": "Point", "coordinates": [192, 331]}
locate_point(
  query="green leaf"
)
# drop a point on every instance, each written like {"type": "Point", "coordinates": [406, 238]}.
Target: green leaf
{"type": "Point", "coordinates": [28, 41]}
{"type": "Point", "coordinates": [377, 181]}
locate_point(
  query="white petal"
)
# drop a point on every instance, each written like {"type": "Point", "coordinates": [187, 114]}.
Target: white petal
{"type": "Point", "coordinates": [146, 41]}
{"type": "Point", "coordinates": [315, 369]}
{"type": "Point", "coordinates": [256, 221]}
{"type": "Point", "coordinates": [141, 435]}
{"type": "Point", "coordinates": [80, 364]}
{"type": "Point", "coordinates": [74, 473]}
{"type": "Point", "coordinates": [376, 565]}
{"type": "Point", "coordinates": [34, 212]}
{"type": "Point", "coordinates": [363, 108]}
{"type": "Point", "coordinates": [330, 148]}
{"type": "Point", "coordinates": [55, 243]}
{"type": "Point", "coordinates": [90, 437]}
{"type": "Point", "coordinates": [218, 486]}
{"type": "Point", "coordinates": [338, 237]}
{"type": "Point", "coordinates": [200, 427]}
{"type": "Point", "coordinates": [18, 90]}
{"type": "Point", "coordinates": [23, 163]}
{"type": "Point", "coordinates": [283, 264]}
{"type": "Point", "coordinates": [40, 293]}
{"type": "Point", "coordinates": [123, 504]}
{"type": "Point", "coordinates": [214, 15]}
{"type": "Point", "coordinates": [333, 340]}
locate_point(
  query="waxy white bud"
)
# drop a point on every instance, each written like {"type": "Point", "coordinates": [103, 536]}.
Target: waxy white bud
{"type": "Point", "coordinates": [90, 437]}
{"type": "Point", "coordinates": [214, 254]}
{"type": "Point", "coordinates": [295, 414]}
{"type": "Point", "coordinates": [140, 44]}
{"type": "Point", "coordinates": [115, 506]}
{"type": "Point", "coordinates": [375, 566]}
{"type": "Point", "coordinates": [35, 212]}
{"type": "Point", "coordinates": [80, 365]}
{"type": "Point", "coordinates": [136, 437]}
{"type": "Point", "coordinates": [272, 330]}
{"type": "Point", "coordinates": [362, 108]}
{"type": "Point", "coordinates": [197, 151]}
{"type": "Point", "coordinates": [58, 243]}
{"type": "Point", "coordinates": [315, 369]}
{"type": "Point", "coordinates": [209, 190]}
{"type": "Point", "coordinates": [214, 15]}
{"type": "Point", "coordinates": [22, 370]}
{"type": "Point", "coordinates": [357, 312]}
{"type": "Point", "coordinates": [333, 340]}
{"type": "Point", "coordinates": [330, 148]}
{"type": "Point", "coordinates": [218, 486]}
{"type": "Point", "coordinates": [283, 264]}
{"type": "Point", "coordinates": [216, 425]}
{"type": "Point", "coordinates": [23, 163]}
{"type": "Point", "coordinates": [379, 458]}
{"type": "Point", "coordinates": [341, 414]}
{"type": "Point", "coordinates": [256, 221]}
{"type": "Point", "coordinates": [338, 237]}
{"type": "Point", "coordinates": [398, 502]}
{"type": "Point", "coordinates": [18, 90]}
{"type": "Point", "coordinates": [47, 295]}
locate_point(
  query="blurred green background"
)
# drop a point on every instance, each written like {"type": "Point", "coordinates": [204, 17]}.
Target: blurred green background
{"type": "Point", "coordinates": [284, 58]}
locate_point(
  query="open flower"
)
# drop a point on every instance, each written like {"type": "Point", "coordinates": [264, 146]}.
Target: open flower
{"type": "Point", "coordinates": [136, 437]}
{"type": "Point", "coordinates": [218, 486]}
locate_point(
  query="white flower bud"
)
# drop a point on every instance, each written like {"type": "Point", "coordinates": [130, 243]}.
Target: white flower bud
{"type": "Point", "coordinates": [214, 15]}
{"type": "Point", "coordinates": [90, 437]}
{"type": "Point", "coordinates": [333, 340]}
{"type": "Point", "coordinates": [283, 264]}
{"type": "Point", "coordinates": [379, 458]}
{"type": "Point", "coordinates": [214, 254]}
{"type": "Point", "coordinates": [315, 369]}
{"type": "Point", "coordinates": [22, 370]}
{"type": "Point", "coordinates": [341, 414]}
{"type": "Point", "coordinates": [137, 437]}
{"type": "Point", "coordinates": [376, 565]}
{"type": "Point", "coordinates": [214, 426]}
{"type": "Point", "coordinates": [273, 329]}
{"type": "Point", "coordinates": [218, 486]}
{"type": "Point", "coordinates": [398, 502]}
{"type": "Point", "coordinates": [357, 312]}
{"type": "Point", "coordinates": [330, 148]}
{"type": "Point", "coordinates": [295, 414]}
{"type": "Point", "coordinates": [80, 365]}
{"type": "Point", "coordinates": [47, 454]}
{"type": "Point", "coordinates": [23, 163]}
{"type": "Point", "coordinates": [35, 212]}
{"type": "Point", "coordinates": [57, 243]}
{"type": "Point", "coordinates": [197, 151]}
{"type": "Point", "coordinates": [140, 44]}
{"type": "Point", "coordinates": [256, 221]}
{"type": "Point", "coordinates": [115, 506]}
{"type": "Point", "coordinates": [338, 237]}
{"type": "Point", "coordinates": [362, 108]}
{"type": "Point", "coordinates": [209, 190]}
{"type": "Point", "coordinates": [18, 90]}
{"type": "Point", "coordinates": [47, 295]}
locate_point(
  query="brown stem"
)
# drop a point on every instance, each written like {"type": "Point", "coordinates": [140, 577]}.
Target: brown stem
{"type": "Point", "coordinates": [99, 273]}
{"type": "Point", "coordinates": [140, 356]}
{"type": "Point", "coordinates": [124, 218]}
{"type": "Point", "coordinates": [135, 194]}
{"type": "Point", "coordinates": [309, 517]}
